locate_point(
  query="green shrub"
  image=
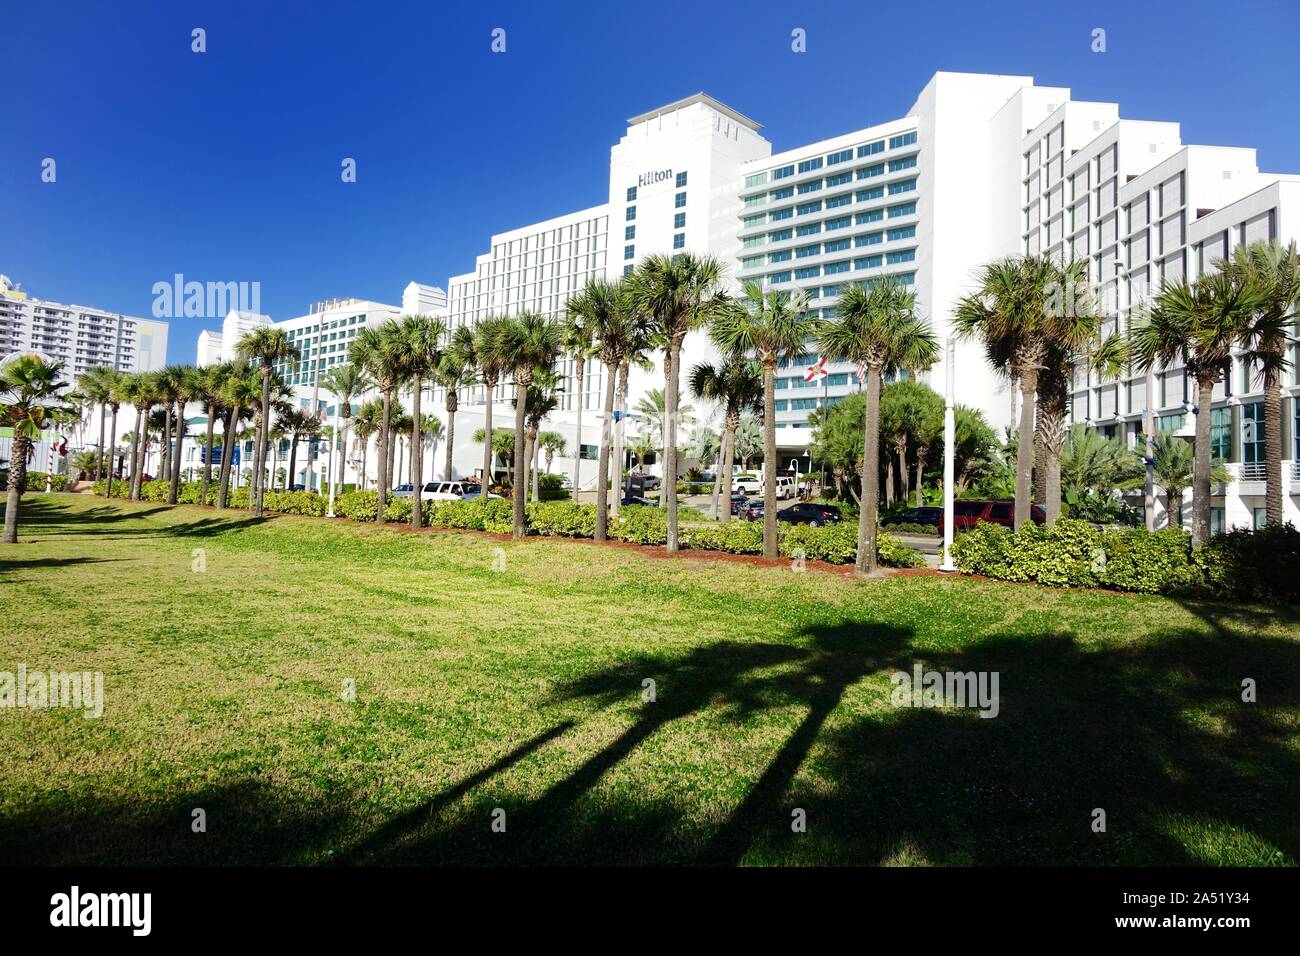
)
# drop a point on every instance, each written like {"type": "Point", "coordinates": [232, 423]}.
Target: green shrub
{"type": "Point", "coordinates": [35, 481]}
{"type": "Point", "coordinates": [1261, 565]}
{"type": "Point", "coordinates": [734, 537]}
{"type": "Point", "coordinates": [985, 549]}
{"type": "Point", "coordinates": [893, 553]}
{"type": "Point", "coordinates": [909, 528]}
{"type": "Point", "coordinates": [836, 543]}
{"type": "Point", "coordinates": [1149, 562]}
{"type": "Point", "coordinates": [291, 502]}
{"type": "Point", "coordinates": [641, 524]}
{"type": "Point", "coordinates": [565, 519]}
{"type": "Point", "coordinates": [358, 505]}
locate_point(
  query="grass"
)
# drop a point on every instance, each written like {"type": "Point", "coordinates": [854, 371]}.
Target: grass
{"type": "Point", "coordinates": [497, 675]}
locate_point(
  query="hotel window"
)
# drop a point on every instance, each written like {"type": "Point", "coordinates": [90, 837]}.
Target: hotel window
{"type": "Point", "coordinates": [627, 270]}
{"type": "Point", "coordinates": [906, 209]}
{"type": "Point", "coordinates": [906, 139]}
{"type": "Point", "coordinates": [906, 232]}
{"type": "Point", "coordinates": [803, 252]}
{"type": "Point", "coordinates": [751, 262]}
{"type": "Point", "coordinates": [840, 180]}
{"type": "Point", "coordinates": [871, 149]}
{"type": "Point", "coordinates": [808, 165]}
{"type": "Point", "coordinates": [894, 258]}
{"type": "Point", "coordinates": [776, 277]}
{"type": "Point", "coordinates": [809, 207]}
{"type": "Point", "coordinates": [807, 272]}
{"type": "Point", "coordinates": [840, 223]}
{"type": "Point", "coordinates": [833, 268]}
{"type": "Point", "coordinates": [679, 240]}
{"type": "Point", "coordinates": [907, 185]}
{"type": "Point", "coordinates": [785, 193]}
{"type": "Point", "coordinates": [874, 215]}
{"type": "Point", "coordinates": [837, 201]}
{"type": "Point", "coordinates": [781, 235]}
{"type": "Point", "coordinates": [837, 245]}
{"type": "Point", "coordinates": [1252, 433]}
{"type": "Point", "coordinates": [631, 213]}
{"type": "Point", "coordinates": [781, 256]}
{"type": "Point", "coordinates": [752, 201]}
{"type": "Point", "coordinates": [754, 241]}
{"type": "Point", "coordinates": [679, 220]}
{"type": "Point", "coordinates": [1221, 433]}
{"type": "Point", "coordinates": [783, 172]}
{"type": "Point", "coordinates": [749, 221]}
{"type": "Point", "coordinates": [810, 187]}
{"type": "Point", "coordinates": [867, 262]}
{"type": "Point", "coordinates": [782, 214]}
{"type": "Point", "coordinates": [897, 164]}
{"type": "Point", "coordinates": [631, 194]}
{"type": "Point", "coordinates": [811, 229]}
{"type": "Point", "coordinates": [867, 172]}
{"type": "Point", "coordinates": [681, 180]}
{"type": "Point", "coordinates": [842, 156]}
{"type": "Point", "coordinates": [680, 200]}
{"type": "Point", "coordinates": [629, 233]}
{"type": "Point", "coordinates": [757, 179]}
{"type": "Point", "coordinates": [629, 252]}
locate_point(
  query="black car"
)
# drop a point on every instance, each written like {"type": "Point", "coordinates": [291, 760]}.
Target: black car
{"type": "Point", "coordinates": [752, 510]}
{"type": "Point", "coordinates": [810, 512]}
{"type": "Point", "coordinates": [929, 515]}
{"type": "Point", "coordinates": [738, 503]}
{"type": "Point", "coordinates": [636, 500]}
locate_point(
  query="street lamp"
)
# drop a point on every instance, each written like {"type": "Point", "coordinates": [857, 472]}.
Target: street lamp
{"type": "Point", "coordinates": [949, 450]}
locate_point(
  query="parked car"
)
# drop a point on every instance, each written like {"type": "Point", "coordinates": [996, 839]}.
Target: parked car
{"type": "Point", "coordinates": [753, 510]}
{"type": "Point", "coordinates": [475, 492]}
{"type": "Point", "coordinates": [785, 487]}
{"type": "Point", "coordinates": [927, 515]}
{"type": "Point", "coordinates": [968, 512]}
{"type": "Point", "coordinates": [298, 487]}
{"type": "Point", "coordinates": [636, 500]}
{"type": "Point", "coordinates": [747, 483]}
{"type": "Point", "coordinates": [444, 490]}
{"type": "Point", "coordinates": [738, 502]}
{"type": "Point", "coordinates": [810, 512]}
{"type": "Point", "coordinates": [403, 491]}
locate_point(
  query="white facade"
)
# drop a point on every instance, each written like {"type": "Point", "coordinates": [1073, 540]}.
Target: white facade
{"type": "Point", "coordinates": [79, 336]}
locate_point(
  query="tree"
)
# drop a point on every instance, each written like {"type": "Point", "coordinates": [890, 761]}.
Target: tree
{"type": "Point", "coordinates": [503, 445]}
{"type": "Point", "coordinates": [748, 438]}
{"type": "Point", "coordinates": [368, 420]}
{"type": "Point", "coordinates": [736, 385]}
{"type": "Point", "coordinates": [240, 393]}
{"type": "Point", "coordinates": [1022, 308]}
{"type": "Point", "coordinates": [1090, 462]}
{"type": "Point", "coordinates": [454, 372]}
{"type": "Point", "coordinates": [607, 311]}
{"type": "Point", "coordinates": [97, 385]}
{"type": "Point", "coordinates": [1197, 325]}
{"type": "Point", "coordinates": [118, 391]}
{"type": "Point", "coordinates": [542, 399]}
{"type": "Point", "coordinates": [578, 339]}
{"type": "Point", "coordinates": [1173, 467]}
{"type": "Point", "coordinates": [267, 346]}
{"type": "Point", "coordinates": [141, 390]}
{"type": "Point", "coordinates": [876, 328]}
{"type": "Point", "coordinates": [677, 294]}
{"type": "Point", "coordinates": [210, 383]}
{"type": "Point", "coordinates": [1273, 271]}
{"type": "Point", "coordinates": [420, 354]}
{"type": "Point", "coordinates": [187, 385]}
{"type": "Point", "coordinates": [491, 366]}
{"type": "Point", "coordinates": [772, 325]}
{"type": "Point", "coordinates": [552, 444]}
{"type": "Point", "coordinates": [900, 421]}
{"type": "Point", "coordinates": [31, 400]}
{"type": "Point", "coordinates": [652, 409]}
{"type": "Point", "coordinates": [378, 351]}
{"type": "Point", "coordinates": [431, 432]}
{"type": "Point", "coordinates": [345, 382]}
{"type": "Point", "coordinates": [528, 342]}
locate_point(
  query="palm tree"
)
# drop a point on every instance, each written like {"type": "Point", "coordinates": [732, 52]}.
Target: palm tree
{"type": "Point", "coordinates": [1274, 271]}
{"type": "Point", "coordinates": [211, 382]}
{"type": "Point", "coordinates": [186, 384]}
{"type": "Point", "coordinates": [749, 438]}
{"type": "Point", "coordinates": [117, 394]}
{"type": "Point", "coordinates": [267, 346]}
{"type": "Point", "coordinates": [420, 354]}
{"type": "Point", "coordinates": [30, 400]}
{"type": "Point", "coordinates": [1173, 468]}
{"type": "Point", "coordinates": [528, 342]}
{"type": "Point", "coordinates": [578, 338]}
{"type": "Point", "coordinates": [543, 398]}
{"type": "Point", "coordinates": [141, 390]}
{"type": "Point", "coordinates": [1197, 325]}
{"type": "Point", "coordinates": [736, 385]}
{"type": "Point", "coordinates": [773, 326]}
{"type": "Point", "coordinates": [503, 445]}
{"type": "Point", "coordinates": [876, 328]}
{"type": "Point", "coordinates": [652, 409]}
{"type": "Point", "coordinates": [431, 432]}
{"type": "Point", "coordinates": [552, 444]}
{"type": "Point", "coordinates": [454, 372]}
{"type": "Point", "coordinates": [605, 309]}
{"type": "Point", "coordinates": [491, 366]}
{"type": "Point", "coordinates": [379, 352]}
{"type": "Point", "coordinates": [1021, 309]}
{"type": "Point", "coordinates": [240, 392]}
{"type": "Point", "coordinates": [345, 382]}
{"type": "Point", "coordinates": [97, 385]}
{"type": "Point", "coordinates": [677, 294]}
{"type": "Point", "coordinates": [369, 418]}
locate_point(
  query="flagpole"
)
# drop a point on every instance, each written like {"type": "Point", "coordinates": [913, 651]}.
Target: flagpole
{"type": "Point", "coordinates": [949, 443]}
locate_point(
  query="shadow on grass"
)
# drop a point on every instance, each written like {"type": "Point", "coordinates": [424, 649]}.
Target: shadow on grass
{"type": "Point", "coordinates": [50, 518]}
{"type": "Point", "coordinates": [8, 566]}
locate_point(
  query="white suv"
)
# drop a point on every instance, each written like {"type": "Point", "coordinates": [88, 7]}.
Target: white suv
{"type": "Point", "coordinates": [444, 491]}
{"type": "Point", "coordinates": [747, 485]}
{"type": "Point", "coordinates": [784, 487]}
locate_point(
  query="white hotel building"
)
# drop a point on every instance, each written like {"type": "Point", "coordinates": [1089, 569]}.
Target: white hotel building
{"type": "Point", "coordinates": [981, 166]}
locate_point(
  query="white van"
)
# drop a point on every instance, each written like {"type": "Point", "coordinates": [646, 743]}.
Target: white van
{"type": "Point", "coordinates": [784, 487]}
{"type": "Point", "coordinates": [444, 490]}
{"type": "Point", "coordinates": [747, 484]}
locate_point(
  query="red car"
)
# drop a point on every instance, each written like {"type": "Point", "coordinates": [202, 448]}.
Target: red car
{"type": "Point", "coordinates": [968, 512]}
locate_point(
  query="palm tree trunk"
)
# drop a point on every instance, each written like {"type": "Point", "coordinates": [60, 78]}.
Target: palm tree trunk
{"type": "Point", "coordinates": [453, 404]}
{"type": "Point", "coordinates": [417, 456]}
{"type": "Point", "coordinates": [384, 440]}
{"type": "Point", "coordinates": [602, 472]}
{"type": "Point", "coordinates": [1053, 421]}
{"type": "Point", "coordinates": [176, 454]}
{"type": "Point", "coordinates": [728, 463]}
{"type": "Point", "coordinates": [112, 454]}
{"type": "Point", "coordinates": [1173, 509]}
{"type": "Point", "coordinates": [920, 471]}
{"type": "Point", "coordinates": [616, 461]}
{"type": "Point", "coordinates": [579, 371]}
{"type": "Point", "coordinates": [228, 445]}
{"type": "Point", "coordinates": [905, 477]}
{"type": "Point", "coordinates": [99, 459]}
{"type": "Point", "coordinates": [1025, 446]}
{"type": "Point", "coordinates": [536, 448]}
{"type": "Point", "coordinates": [207, 455]}
{"type": "Point", "coordinates": [293, 461]}
{"type": "Point", "coordinates": [18, 452]}
{"type": "Point", "coordinates": [164, 453]}
{"type": "Point", "coordinates": [1040, 460]}
{"type": "Point", "coordinates": [870, 496]}
{"type": "Point", "coordinates": [889, 483]}
{"type": "Point", "coordinates": [769, 460]}
{"type": "Point", "coordinates": [135, 454]}
{"type": "Point", "coordinates": [1272, 449]}
{"type": "Point", "coordinates": [1201, 463]}
{"type": "Point", "coordinates": [520, 454]}
{"type": "Point", "coordinates": [717, 480]}
{"type": "Point", "coordinates": [670, 440]}
{"type": "Point", "coordinates": [263, 441]}
{"type": "Point", "coordinates": [488, 389]}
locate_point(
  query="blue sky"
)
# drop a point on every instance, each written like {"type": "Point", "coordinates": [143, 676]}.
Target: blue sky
{"type": "Point", "coordinates": [224, 166]}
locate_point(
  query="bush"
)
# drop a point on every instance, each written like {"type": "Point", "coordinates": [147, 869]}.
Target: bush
{"type": "Point", "coordinates": [1252, 565]}
{"type": "Point", "coordinates": [290, 502]}
{"type": "Point", "coordinates": [734, 537]}
{"type": "Point", "coordinates": [35, 481]}
{"type": "Point", "coordinates": [564, 519]}
{"type": "Point", "coordinates": [640, 524]}
{"type": "Point", "coordinates": [835, 542]}
{"type": "Point", "coordinates": [358, 505]}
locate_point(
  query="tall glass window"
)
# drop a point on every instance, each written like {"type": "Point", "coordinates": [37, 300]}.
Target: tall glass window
{"type": "Point", "coordinates": [1221, 433]}
{"type": "Point", "coordinates": [1252, 433]}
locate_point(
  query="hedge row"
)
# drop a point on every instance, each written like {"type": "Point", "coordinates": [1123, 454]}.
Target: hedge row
{"type": "Point", "coordinates": [1241, 565]}
{"type": "Point", "coordinates": [285, 502]}
{"type": "Point", "coordinates": [640, 525]}
{"type": "Point", "coordinates": [35, 481]}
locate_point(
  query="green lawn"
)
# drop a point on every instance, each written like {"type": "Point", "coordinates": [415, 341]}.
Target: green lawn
{"type": "Point", "coordinates": [498, 675]}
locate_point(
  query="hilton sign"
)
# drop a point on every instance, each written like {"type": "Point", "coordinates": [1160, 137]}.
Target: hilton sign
{"type": "Point", "coordinates": [658, 176]}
